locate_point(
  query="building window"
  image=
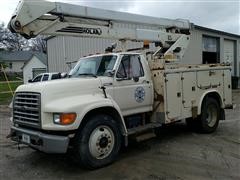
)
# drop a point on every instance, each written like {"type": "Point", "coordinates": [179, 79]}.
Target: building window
{"type": "Point", "coordinates": [210, 50]}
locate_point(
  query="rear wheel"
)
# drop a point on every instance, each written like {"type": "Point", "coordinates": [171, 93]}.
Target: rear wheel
{"type": "Point", "coordinates": [210, 115]}
{"type": "Point", "coordinates": [99, 142]}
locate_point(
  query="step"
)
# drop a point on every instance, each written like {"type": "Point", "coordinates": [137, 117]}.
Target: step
{"type": "Point", "coordinates": [143, 128]}
{"type": "Point", "coordinates": [145, 136]}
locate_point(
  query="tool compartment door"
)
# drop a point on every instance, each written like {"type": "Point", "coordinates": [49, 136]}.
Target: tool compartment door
{"type": "Point", "coordinates": [189, 88]}
{"type": "Point", "coordinates": [227, 87]}
{"type": "Point", "coordinates": [209, 79]}
{"type": "Point", "coordinates": [173, 95]}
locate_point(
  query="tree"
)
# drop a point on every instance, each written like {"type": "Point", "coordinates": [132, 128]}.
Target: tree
{"type": "Point", "coordinates": [12, 41]}
{"type": "Point", "coordinates": [39, 44]}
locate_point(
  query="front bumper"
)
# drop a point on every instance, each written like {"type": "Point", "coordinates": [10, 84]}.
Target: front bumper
{"type": "Point", "coordinates": [47, 143]}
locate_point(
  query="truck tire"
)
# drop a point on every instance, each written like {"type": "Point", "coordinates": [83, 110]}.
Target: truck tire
{"type": "Point", "coordinates": [210, 115]}
{"type": "Point", "coordinates": [98, 143]}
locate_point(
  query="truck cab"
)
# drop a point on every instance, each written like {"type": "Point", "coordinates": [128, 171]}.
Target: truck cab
{"type": "Point", "coordinates": [120, 73]}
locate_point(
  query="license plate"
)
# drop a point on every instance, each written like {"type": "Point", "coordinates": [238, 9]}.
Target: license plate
{"type": "Point", "coordinates": [26, 138]}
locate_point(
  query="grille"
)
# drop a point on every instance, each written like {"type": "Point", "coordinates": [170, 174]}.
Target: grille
{"type": "Point", "coordinates": [27, 109]}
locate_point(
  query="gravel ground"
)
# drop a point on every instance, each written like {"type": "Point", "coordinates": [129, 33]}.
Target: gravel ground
{"type": "Point", "coordinates": [178, 154]}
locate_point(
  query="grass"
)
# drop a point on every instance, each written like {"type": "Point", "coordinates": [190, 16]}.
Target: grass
{"type": "Point", "coordinates": [5, 98]}
{"type": "Point", "coordinates": [11, 77]}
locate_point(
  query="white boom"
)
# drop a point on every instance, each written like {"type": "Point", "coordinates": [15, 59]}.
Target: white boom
{"type": "Point", "coordinates": [54, 18]}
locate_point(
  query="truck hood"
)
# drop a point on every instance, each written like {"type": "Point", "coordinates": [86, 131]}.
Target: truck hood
{"type": "Point", "coordinates": [64, 87]}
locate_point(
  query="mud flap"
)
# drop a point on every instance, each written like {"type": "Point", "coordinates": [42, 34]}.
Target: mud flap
{"type": "Point", "coordinates": [222, 114]}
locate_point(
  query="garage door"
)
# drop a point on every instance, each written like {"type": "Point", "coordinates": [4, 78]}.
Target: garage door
{"type": "Point", "coordinates": [229, 53]}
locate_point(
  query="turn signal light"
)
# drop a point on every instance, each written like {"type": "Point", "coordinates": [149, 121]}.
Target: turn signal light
{"type": "Point", "coordinates": [64, 118]}
{"type": "Point", "coordinates": [146, 43]}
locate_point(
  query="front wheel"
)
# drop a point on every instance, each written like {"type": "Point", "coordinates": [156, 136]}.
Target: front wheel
{"type": "Point", "coordinates": [210, 115]}
{"type": "Point", "coordinates": [99, 142]}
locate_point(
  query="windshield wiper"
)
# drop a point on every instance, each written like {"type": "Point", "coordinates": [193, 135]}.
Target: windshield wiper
{"type": "Point", "coordinates": [88, 74]}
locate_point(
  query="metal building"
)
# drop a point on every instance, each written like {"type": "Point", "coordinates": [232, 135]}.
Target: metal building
{"type": "Point", "coordinates": [206, 46]}
{"type": "Point", "coordinates": [213, 46]}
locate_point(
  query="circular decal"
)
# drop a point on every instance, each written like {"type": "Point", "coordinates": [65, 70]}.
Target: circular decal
{"type": "Point", "coordinates": [139, 94]}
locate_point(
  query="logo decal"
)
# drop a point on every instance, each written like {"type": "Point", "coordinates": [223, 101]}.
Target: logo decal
{"type": "Point", "coordinates": [96, 31]}
{"type": "Point", "coordinates": [139, 94]}
{"type": "Point", "coordinates": [81, 30]}
{"type": "Point", "coordinates": [24, 108]}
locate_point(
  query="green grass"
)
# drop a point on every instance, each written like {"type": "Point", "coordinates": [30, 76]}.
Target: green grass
{"type": "Point", "coordinates": [5, 98]}
{"type": "Point", "coordinates": [4, 86]}
{"type": "Point", "coordinates": [11, 77]}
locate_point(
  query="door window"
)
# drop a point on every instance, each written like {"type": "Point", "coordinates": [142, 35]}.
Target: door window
{"type": "Point", "coordinates": [45, 77]}
{"type": "Point", "coordinates": [130, 67]}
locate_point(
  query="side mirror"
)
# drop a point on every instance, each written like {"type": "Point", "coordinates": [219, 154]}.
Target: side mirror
{"type": "Point", "coordinates": [110, 73]}
{"type": "Point", "coordinates": [30, 81]}
{"type": "Point", "coordinates": [63, 75]}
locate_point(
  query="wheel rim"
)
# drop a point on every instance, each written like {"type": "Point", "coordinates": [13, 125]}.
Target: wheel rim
{"type": "Point", "coordinates": [211, 115]}
{"type": "Point", "coordinates": [101, 142]}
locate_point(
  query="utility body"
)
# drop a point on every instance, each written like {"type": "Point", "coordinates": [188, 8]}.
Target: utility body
{"type": "Point", "coordinates": [109, 97]}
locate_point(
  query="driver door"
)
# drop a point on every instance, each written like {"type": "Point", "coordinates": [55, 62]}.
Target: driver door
{"type": "Point", "coordinates": [132, 88]}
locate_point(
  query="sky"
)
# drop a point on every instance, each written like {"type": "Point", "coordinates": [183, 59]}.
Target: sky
{"type": "Point", "coordinates": [222, 15]}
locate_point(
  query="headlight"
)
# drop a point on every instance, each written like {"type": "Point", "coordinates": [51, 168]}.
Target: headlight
{"type": "Point", "coordinates": [64, 118]}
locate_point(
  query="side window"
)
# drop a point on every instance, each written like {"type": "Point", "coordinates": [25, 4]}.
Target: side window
{"type": "Point", "coordinates": [45, 77]}
{"type": "Point", "coordinates": [123, 68]}
{"type": "Point", "coordinates": [130, 67]}
{"type": "Point", "coordinates": [56, 76]}
{"type": "Point", "coordinates": [137, 69]}
{"type": "Point", "coordinates": [37, 79]}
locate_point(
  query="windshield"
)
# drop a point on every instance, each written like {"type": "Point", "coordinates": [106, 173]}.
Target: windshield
{"type": "Point", "coordinates": [95, 66]}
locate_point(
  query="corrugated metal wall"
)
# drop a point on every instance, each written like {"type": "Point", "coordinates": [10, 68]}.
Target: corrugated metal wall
{"type": "Point", "coordinates": [193, 54]}
{"type": "Point", "coordinates": [56, 54]}
{"type": "Point", "coordinates": [66, 49]}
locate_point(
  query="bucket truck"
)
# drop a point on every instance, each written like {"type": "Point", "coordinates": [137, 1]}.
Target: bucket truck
{"type": "Point", "coordinates": [110, 97]}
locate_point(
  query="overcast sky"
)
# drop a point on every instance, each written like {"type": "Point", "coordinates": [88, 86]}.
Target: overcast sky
{"type": "Point", "coordinates": [217, 14]}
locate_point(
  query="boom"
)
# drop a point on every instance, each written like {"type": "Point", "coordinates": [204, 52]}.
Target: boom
{"type": "Point", "coordinates": [54, 18]}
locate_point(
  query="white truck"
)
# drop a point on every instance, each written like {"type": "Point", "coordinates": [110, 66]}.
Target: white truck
{"type": "Point", "coordinates": [45, 77]}
{"type": "Point", "coordinates": [112, 96]}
